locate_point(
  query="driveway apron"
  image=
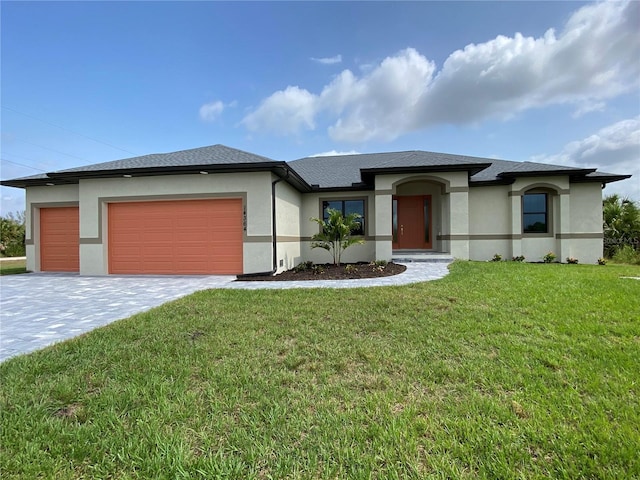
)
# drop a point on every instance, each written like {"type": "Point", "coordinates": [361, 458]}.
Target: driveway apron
{"type": "Point", "coordinates": [37, 310]}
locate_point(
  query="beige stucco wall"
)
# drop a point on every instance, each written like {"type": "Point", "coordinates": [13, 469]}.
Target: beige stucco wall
{"type": "Point", "coordinates": [96, 194]}
{"type": "Point", "coordinates": [489, 210]}
{"type": "Point", "coordinates": [288, 206]}
{"type": "Point", "coordinates": [586, 222]}
{"type": "Point", "coordinates": [312, 207]}
{"type": "Point", "coordinates": [43, 197]}
{"type": "Point", "coordinates": [586, 208]}
{"type": "Point", "coordinates": [495, 221]}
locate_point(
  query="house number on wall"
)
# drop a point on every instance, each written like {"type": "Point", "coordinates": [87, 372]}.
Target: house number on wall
{"type": "Point", "coordinates": [244, 218]}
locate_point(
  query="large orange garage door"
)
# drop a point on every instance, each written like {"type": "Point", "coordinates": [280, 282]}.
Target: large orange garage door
{"type": "Point", "coordinates": [176, 237]}
{"type": "Point", "coordinates": [59, 239]}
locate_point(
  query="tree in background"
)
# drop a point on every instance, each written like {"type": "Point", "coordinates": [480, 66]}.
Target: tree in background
{"type": "Point", "coordinates": [12, 234]}
{"type": "Point", "coordinates": [335, 233]}
{"type": "Point", "coordinates": [621, 218]}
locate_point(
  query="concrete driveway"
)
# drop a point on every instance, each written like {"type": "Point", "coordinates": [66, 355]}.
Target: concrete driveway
{"type": "Point", "coordinates": [37, 310]}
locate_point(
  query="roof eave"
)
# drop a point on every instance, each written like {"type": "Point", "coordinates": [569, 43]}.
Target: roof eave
{"type": "Point", "coordinates": [604, 179]}
{"type": "Point", "coordinates": [168, 170]}
{"type": "Point", "coordinates": [356, 187]}
{"type": "Point", "coordinates": [547, 173]}
{"type": "Point", "coordinates": [488, 183]}
{"type": "Point", "coordinates": [66, 178]}
{"type": "Point", "coordinates": [471, 168]}
{"type": "Point", "coordinates": [36, 182]}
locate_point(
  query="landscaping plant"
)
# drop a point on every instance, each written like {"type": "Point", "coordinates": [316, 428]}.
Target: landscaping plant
{"type": "Point", "coordinates": [335, 233]}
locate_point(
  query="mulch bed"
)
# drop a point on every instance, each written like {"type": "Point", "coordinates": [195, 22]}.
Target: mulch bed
{"type": "Point", "coordinates": [331, 272]}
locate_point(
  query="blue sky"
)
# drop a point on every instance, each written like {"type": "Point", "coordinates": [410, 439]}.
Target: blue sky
{"type": "Point", "coordinates": [86, 82]}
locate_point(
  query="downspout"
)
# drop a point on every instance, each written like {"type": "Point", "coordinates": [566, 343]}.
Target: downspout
{"type": "Point", "coordinates": [274, 241]}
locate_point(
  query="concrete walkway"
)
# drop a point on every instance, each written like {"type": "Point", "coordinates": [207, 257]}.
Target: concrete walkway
{"type": "Point", "coordinates": [37, 310]}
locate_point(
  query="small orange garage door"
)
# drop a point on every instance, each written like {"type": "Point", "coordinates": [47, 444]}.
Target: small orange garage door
{"type": "Point", "coordinates": [59, 239]}
{"type": "Point", "coordinates": [176, 237]}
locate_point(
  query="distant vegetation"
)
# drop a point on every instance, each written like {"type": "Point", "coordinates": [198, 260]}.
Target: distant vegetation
{"type": "Point", "coordinates": [621, 217]}
{"type": "Point", "coordinates": [12, 232]}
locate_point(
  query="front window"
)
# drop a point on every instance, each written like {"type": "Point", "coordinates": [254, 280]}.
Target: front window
{"type": "Point", "coordinates": [346, 207]}
{"type": "Point", "coordinates": [535, 213]}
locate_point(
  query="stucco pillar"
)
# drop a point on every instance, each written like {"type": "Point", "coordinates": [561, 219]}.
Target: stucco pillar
{"type": "Point", "coordinates": [459, 223]}
{"type": "Point", "coordinates": [516, 225]}
{"type": "Point", "coordinates": [383, 233]}
{"type": "Point", "coordinates": [564, 228]}
{"type": "Point", "coordinates": [32, 236]}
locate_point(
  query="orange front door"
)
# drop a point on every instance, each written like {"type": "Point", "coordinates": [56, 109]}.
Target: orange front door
{"type": "Point", "coordinates": [60, 239]}
{"type": "Point", "coordinates": [176, 237]}
{"type": "Point", "coordinates": [412, 222]}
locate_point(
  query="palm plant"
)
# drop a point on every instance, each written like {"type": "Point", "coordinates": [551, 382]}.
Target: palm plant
{"type": "Point", "coordinates": [335, 233]}
{"type": "Point", "coordinates": [621, 223]}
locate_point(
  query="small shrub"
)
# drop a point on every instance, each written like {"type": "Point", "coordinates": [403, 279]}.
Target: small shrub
{"type": "Point", "coordinates": [497, 258]}
{"type": "Point", "coordinates": [572, 260]}
{"type": "Point", "coordinates": [627, 254]}
{"type": "Point", "coordinates": [317, 269]}
{"type": "Point", "coordinates": [303, 267]}
{"type": "Point", "coordinates": [351, 269]}
{"type": "Point", "coordinates": [378, 265]}
{"type": "Point", "coordinates": [602, 261]}
{"type": "Point", "coordinates": [519, 258]}
{"type": "Point", "coordinates": [549, 257]}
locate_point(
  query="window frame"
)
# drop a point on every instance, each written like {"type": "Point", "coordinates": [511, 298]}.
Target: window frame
{"type": "Point", "coordinates": [546, 213]}
{"type": "Point", "coordinates": [363, 222]}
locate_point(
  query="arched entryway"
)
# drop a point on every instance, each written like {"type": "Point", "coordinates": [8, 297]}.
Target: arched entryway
{"type": "Point", "coordinates": [417, 214]}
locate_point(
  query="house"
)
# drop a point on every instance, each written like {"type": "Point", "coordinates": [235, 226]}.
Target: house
{"type": "Point", "coordinates": [220, 210]}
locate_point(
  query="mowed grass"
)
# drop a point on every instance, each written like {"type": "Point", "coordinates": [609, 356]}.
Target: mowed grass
{"type": "Point", "coordinates": [500, 370]}
{"type": "Point", "coordinates": [11, 267]}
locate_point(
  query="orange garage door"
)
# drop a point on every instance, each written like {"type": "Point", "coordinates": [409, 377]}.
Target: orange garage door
{"type": "Point", "coordinates": [59, 239]}
{"type": "Point", "coordinates": [176, 237]}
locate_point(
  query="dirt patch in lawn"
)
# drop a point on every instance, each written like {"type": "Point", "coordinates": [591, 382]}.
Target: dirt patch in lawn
{"type": "Point", "coordinates": [331, 272]}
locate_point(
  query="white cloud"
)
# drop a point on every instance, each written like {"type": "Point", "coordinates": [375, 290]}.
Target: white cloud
{"type": "Point", "coordinates": [335, 153]}
{"type": "Point", "coordinates": [210, 111]}
{"type": "Point", "coordinates": [594, 58]}
{"type": "Point", "coordinates": [328, 60]}
{"type": "Point", "coordinates": [284, 112]}
{"type": "Point", "coordinates": [612, 149]}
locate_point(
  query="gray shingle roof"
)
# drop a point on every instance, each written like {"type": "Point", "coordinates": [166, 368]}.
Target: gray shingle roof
{"type": "Point", "coordinates": [344, 170]}
{"type": "Point", "coordinates": [38, 176]}
{"type": "Point", "coordinates": [335, 172]}
{"type": "Point", "coordinates": [213, 155]}
{"type": "Point", "coordinates": [505, 167]}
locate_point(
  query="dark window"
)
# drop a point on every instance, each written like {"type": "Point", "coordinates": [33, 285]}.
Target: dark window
{"type": "Point", "coordinates": [346, 207]}
{"type": "Point", "coordinates": [535, 213]}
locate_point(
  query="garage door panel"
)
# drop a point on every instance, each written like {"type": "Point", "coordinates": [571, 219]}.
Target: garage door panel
{"type": "Point", "coordinates": [60, 239]}
{"type": "Point", "coordinates": [180, 237]}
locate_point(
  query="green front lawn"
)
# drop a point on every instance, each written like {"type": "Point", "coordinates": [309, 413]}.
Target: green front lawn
{"type": "Point", "coordinates": [500, 370]}
{"type": "Point", "coordinates": [11, 267]}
